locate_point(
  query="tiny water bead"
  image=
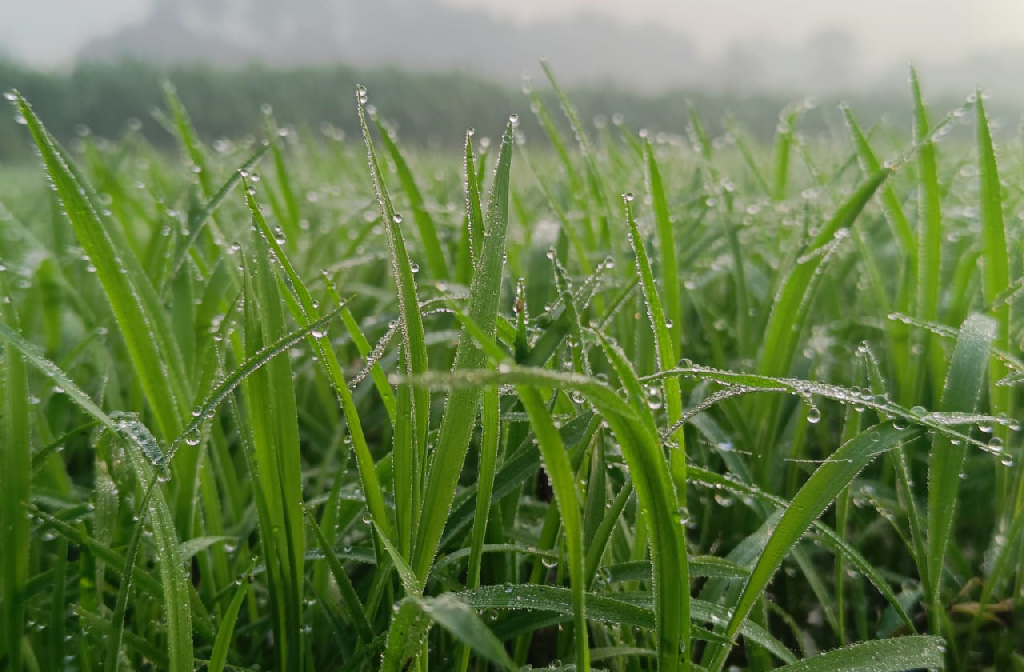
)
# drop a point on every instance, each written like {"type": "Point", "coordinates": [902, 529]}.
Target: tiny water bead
{"type": "Point", "coordinates": [813, 415]}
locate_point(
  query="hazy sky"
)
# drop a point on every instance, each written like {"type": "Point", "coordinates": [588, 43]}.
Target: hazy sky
{"type": "Point", "coordinates": [48, 32]}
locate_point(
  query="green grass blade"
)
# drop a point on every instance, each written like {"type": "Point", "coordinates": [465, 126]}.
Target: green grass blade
{"type": "Point", "coordinates": [963, 388]}
{"type": "Point", "coordinates": [222, 644]}
{"type": "Point", "coordinates": [474, 213]}
{"type": "Point", "coordinates": [929, 229]}
{"type": "Point", "coordinates": [563, 483]}
{"type": "Point", "coordinates": [271, 410]}
{"type": "Point", "coordinates": [414, 618]}
{"type": "Point", "coordinates": [655, 487]}
{"type": "Point", "coordinates": [872, 166]}
{"type": "Point", "coordinates": [309, 317]}
{"type": "Point", "coordinates": [901, 654]}
{"type": "Point", "coordinates": [816, 495]}
{"type": "Point", "coordinates": [134, 301]}
{"type": "Point", "coordinates": [436, 262]}
{"type": "Point", "coordinates": [349, 597]}
{"type": "Point", "coordinates": [461, 409]}
{"type": "Point", "coordinates": [16, 462]}
{"type": "Point", "coordinates": [198, 218]}
{"type": "Point", "coordinates": [401, 269]}
{"type": "Point", "coordinates": [995, 265]}
{"type": "Point", "coordinates": [784, 140]}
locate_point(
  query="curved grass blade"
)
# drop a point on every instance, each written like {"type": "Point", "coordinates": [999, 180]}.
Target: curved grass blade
{"type": "Point", "coordinates": [816, 495]}
{"type": "Point", "coordinates": [436, 261]}
{"type": "Point", "coordinates": [411, 323]}
{"type": "Point", "coordinates": [133, 299]}
{"type": "Point", "coordinates": [901, 654]}
{"type": "Point", "coordinates": [828, 535]}
{"type": "Point", "coordinates": [414, 618]}
{"type": "Point", "coordinates": [638, 611]}
{"type": "Point", "coordinates": [665, 348]}
{"type": "Point", "coordinates": [174, 587]}
{"type": "Point", "coordinates": [964, 384]}
{"type": "Point", "coordinates": [563, 483]}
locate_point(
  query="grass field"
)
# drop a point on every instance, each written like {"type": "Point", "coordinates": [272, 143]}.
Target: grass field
{"type": "Point", "coordinates": [618, 401]}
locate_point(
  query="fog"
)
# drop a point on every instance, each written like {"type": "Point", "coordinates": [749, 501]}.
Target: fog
{"type": "Point", "coordinates": [800, 45]}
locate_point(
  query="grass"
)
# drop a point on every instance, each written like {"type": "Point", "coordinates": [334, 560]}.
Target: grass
{"type": "Point", "coordinates": [627, 402]}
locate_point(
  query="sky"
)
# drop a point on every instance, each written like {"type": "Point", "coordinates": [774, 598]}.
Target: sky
{"type": "Point", "coordinates": [49, 32]}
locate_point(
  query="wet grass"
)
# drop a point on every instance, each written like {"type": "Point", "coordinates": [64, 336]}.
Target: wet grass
{"type": "Point", "coordinates": [617, 401]}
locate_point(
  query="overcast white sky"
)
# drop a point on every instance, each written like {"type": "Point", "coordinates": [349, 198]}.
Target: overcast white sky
{"type": "Point", "coordinates": [48, 32]}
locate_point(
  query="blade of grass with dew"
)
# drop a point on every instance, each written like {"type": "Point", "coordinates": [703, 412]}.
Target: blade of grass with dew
{"type": "Point", "coordinates": [929, 233]}
{"type": "Point", "coordinates": [964, 384]}
{"type": "Point", "coordinates": [461, 408]}
{"type": "Point", "coordinates": [133, 299]}
{"type": "Point", "coordinates": [665, 350]}
{"type": "Point", "coordinates": [474, 213]}
{"type": "Point", "coordinates": [16, 462]}
{"type": "Point", "coordinates": [349, 597]}
{"type": "Point", "coordinates": [563, 484]}
{"type": "Point", "coordinates": [198, 218]}
{"type": "Point", "coordinates": [653, 480]}
{"type": "Point", "coordinates": [816, 495]}
{"type": "Point", "coordinates": [271, 412]}
{"type": "Point", "coordinates": [315, 327]}
{"type": "Point", "coordinates": [436, 262]}
{"type": "Point", "coordinates": [899, 654]}
{"type": "Point", "coordinates": [631, 610]}
{"type": "Point", "coordinates": [228, 621]}
{"type": "Point", "coordinates": [401, 269]}
{"type": "Point", "coordinates": [174, 589]}
{"type": "Point", "coordinates": [414, 618]}
{"type": "Point", "coordinates": [666, 246]}
{"type": "Point", "coordinates": [995, 264]}
{"type": "Point", "coordinates": [890, 201]}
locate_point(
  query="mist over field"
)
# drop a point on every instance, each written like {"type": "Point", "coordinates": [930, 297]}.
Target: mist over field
{"type": "Point", "coordinates": [795, 46]}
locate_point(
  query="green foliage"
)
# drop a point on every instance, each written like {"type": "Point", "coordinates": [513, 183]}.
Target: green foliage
{"type": "Point", "coordinates": [203, 466]}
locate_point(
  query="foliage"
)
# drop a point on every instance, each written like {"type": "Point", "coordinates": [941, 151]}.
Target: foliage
{"type": "Point", "coordinates": [626, 402]}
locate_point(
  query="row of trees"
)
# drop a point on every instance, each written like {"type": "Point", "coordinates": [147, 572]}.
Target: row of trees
{"type": "Point", "coordinates": [428, 109]}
